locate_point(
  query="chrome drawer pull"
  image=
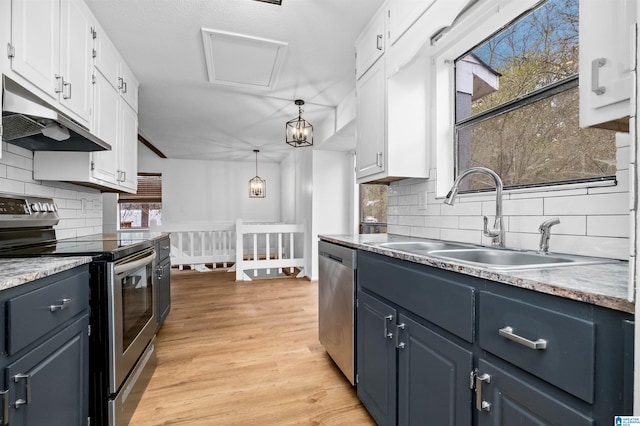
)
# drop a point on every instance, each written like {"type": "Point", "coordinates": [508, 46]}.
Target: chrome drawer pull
{"type": "Point", "coordinates": [63, 304]}
{"type": "Point", "coordinates": [507, 332]}
{"type": "Point", "coordinates": [27, 387]}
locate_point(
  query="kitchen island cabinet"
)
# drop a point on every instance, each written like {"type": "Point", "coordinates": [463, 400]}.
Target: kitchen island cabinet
{"type": "Point", "coordinates": [45, 356]}
{"type": "Point", "coordinates": [435, 344]}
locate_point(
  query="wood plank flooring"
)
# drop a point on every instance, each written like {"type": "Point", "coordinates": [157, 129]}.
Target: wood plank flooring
{"type": "Point", "coordinates": [245, 354]}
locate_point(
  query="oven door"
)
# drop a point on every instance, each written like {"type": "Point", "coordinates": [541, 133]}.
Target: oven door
{"type": "Point", "coordinates": [132, 313]}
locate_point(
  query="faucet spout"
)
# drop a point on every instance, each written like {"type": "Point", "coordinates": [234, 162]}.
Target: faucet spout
{"type": "Point", "coordinates": [545, 233]}
{"type": "Point", "coordinates": [497, 233]}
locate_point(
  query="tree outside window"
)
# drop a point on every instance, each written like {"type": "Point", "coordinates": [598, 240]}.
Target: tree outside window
{"type": "Point", "coordinates": [517, 106]}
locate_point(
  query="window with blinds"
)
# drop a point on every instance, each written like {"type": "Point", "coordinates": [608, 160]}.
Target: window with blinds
{"type": "Point", "coordinates": [144, 208]}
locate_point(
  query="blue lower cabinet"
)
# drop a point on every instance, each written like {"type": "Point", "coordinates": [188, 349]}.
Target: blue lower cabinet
{"type": "Point", "coordinates": [376, 358]}
{"type": "Point", "coordinates": [433, 377]}
{"type": "Point", "coordinates": [45, 359]}
{"type": "Point", "coordinates": [436, 347]}
{"type": "Point", "coordinates": [511, 398]}
{"type": "Point", "coordinates": [49, 384]}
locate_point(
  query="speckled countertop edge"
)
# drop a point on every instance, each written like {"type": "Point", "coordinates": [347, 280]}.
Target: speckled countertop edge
{"type": "Point", "coordinates": [599, 284]}
{"type": "Point", "coordinates": [15, 272]}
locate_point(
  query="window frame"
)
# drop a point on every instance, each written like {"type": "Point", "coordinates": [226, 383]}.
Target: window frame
{"type": "Point", "coordinates": [478, 24]}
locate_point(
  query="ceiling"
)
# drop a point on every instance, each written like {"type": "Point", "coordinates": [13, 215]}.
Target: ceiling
{"type": "Point", "coordinates": [185, 116]}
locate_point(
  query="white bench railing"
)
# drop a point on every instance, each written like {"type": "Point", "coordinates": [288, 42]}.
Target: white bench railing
{"type": "Point", "coordinates": [265, 249]}
{"type": "Point", "coordinates": [197, 245]}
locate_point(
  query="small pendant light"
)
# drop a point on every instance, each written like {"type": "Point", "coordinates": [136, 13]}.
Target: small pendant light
{"type": "Point", "coordinates": [257, 185]}
{"type": "Point", "coordinates": [299, 132]}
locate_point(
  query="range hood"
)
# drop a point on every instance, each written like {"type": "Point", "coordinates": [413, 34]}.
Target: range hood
{"type": "Point", "coordinates": [30, 123]}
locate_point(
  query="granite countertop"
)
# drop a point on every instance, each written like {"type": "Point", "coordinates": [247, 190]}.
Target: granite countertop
{"type": "Point", "coordinates": [14, 272]}
{"type": "Point", "coordinates": [599, 284]}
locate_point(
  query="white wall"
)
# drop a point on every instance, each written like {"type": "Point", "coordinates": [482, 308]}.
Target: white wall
{"type": "Point", "coordinates": [593, 221]}
{"type": "Point", "coordinates": [202, 191]}
{"type": "Point", "coordinates": [80, 208]}
{"type": "Point", "coordinates": [333, 198]}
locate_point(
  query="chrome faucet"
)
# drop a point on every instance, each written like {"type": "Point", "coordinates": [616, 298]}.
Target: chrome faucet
{"type": "Point", "coordinates": [497, 233]}
{"type": "Point", "coordinates": [545, 233]}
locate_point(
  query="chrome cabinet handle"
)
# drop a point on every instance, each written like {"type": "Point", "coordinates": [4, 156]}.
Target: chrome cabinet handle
{"type": "Point", "coordinates": [482, 405]}
{"type": "Point", "coordinates": [63, 304]}
{"type": "Point", "coordinates": [387, 319]}
{"type": "Point", "coordinates": [66, 84]}
{"type": "Point", "coordinates": [60, 82]}
{"type": "Point", "coordinates": [507, 332]}
{"type": "Point", "coordinates": [120, 83]}
{"type": "Point", "coordinates": [27, 389]}
{"type": "Point", "coordinates": [399, 344]}
{"type": "Point", "coordinates": [596, 64]}
{"type": "Point", "coordinates": [5, 407]}
{"type": "Point", "coordinates": [379, 159]}
{"type": "Point", "coordinates": [379, 42]}
{"type": "Point", "coordinates": [124, 86]}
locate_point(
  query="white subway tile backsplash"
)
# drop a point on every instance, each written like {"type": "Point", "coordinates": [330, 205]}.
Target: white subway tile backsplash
{"type": "Point", "coordinates": [594, 221]}
{"type": "Point", "coordinates": [569, 225]}
{"type": "Point", "coordinates": [524, 207]}
{"type": "Point", "coordinates": [592, 204]}
{"type": "Point", "coordinates": [16, 177]}
{"type": "Point", "coordinates": [608, 226]}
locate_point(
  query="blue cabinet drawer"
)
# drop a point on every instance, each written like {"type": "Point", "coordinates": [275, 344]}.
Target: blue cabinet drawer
{"type": "Point", "coordinates": [36, 313]}
{"type": "Point", "coordinates": [565, 354]}
{"type": "Point", "coordinates": [430, 293]}
{"type": "Point", "coordinates": [163, 248]}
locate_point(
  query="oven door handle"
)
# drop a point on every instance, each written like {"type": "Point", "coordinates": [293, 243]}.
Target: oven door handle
{"type": "Point", "coordinates": [132, 266]}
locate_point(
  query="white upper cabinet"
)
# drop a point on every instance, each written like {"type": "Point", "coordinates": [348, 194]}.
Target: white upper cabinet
{"type": "Point", "coordinates": [403, 13]}
{"type": "Point", "coordinates": [371, 122]}
{"type": "Point", "coordinates": [370, 45]}
{"type": "Point", "coordinates": [50, 52]}
{"type": "Point", "coordinates": [607, 44]}
{"type": "Point", "coordinates": [110, 64]}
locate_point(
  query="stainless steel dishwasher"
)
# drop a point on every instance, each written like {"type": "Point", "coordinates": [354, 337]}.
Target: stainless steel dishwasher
{"type": "Point", "coordinates": [336, 301]}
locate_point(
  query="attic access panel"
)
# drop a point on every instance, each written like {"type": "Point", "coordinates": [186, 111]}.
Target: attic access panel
{"type": "Point", "coordinates": [241, 60]}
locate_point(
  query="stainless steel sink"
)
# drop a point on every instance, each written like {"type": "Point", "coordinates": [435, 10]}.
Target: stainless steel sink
{"type": "Point", "coordinates": [509, 260]}
{"type": "Point", "coordinates": [422, 247]}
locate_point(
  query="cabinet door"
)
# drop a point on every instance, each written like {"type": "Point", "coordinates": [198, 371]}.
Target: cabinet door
{"type": "Point", "coordinates": [514, 400]}
{"type": "Point", "coordinates": [376, 358]}
{"type": "Point", "coordinates": [433, 377]}
{"type": "Point", "coordinates": [403, 13]}
{"type": "Point", "coordinates": [49, 385]}
{"type": "Point", "coordinates": [107, 58]}
{"type": "Point", "coordinates": [371, 122]}
{"type": "Point", "coordinates": [370, 45]}
{"type": "Point", "coordinates": [35, 36]}
{"type": "Point", "coordinates": [76, 45]}
{"type": "Point", "coordinates": [128, 86]}
{"type": "Point", "coordinates": [128, 147]}
{"type": "Point", "coordinates": [606, 50]}
{"type": "Point", "coordinates": [105, 125]}
{"type": "Point", "coordinates": [163, 290]}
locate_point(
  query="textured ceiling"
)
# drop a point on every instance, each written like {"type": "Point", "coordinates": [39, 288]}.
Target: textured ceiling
{"type": "Point", "coordinates": [186, 116]}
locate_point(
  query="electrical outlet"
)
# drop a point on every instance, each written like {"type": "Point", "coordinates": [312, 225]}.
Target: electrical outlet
{"type": "Point", "coordinates": [85, 205]}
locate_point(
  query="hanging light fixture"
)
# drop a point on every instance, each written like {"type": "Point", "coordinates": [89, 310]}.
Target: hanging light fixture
{"type": "Point", "coordinates": [257, 185]}
{"type": "Point", "coordinates": [299, 132]}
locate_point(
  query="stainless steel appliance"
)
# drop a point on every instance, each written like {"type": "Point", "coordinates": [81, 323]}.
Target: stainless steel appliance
{"type": "Point", "coordinates": [336, 301]}
{"type": "Point", "coordinates": [123, 318]}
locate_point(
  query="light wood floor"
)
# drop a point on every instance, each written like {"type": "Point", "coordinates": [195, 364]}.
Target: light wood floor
{"type": "Point", "coordinates": [245, 354]}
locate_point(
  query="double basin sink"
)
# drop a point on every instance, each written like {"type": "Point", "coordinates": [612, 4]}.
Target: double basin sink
{"type": "Point", "coordinates": [491, 258]}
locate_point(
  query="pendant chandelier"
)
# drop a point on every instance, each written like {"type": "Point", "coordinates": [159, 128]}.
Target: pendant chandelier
{"type": "Point", "coordinates": [257, 185]}
{"type": "Point", "coordinates": [299, 132]}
